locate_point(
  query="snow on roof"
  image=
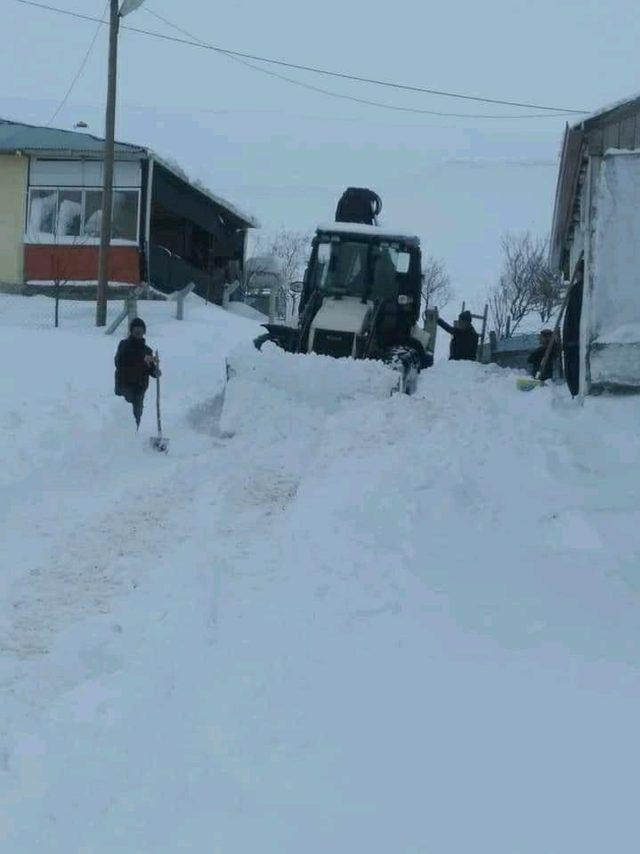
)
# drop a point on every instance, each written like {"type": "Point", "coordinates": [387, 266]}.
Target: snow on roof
{"type": "Point", "coordinates": [368, 231]}
{"type": "Point", "coordinates": [622, 152]}
{"type": "Point", "coordinates": [575, 142]}
{"type": "Point", "coordinates": [181, 173]}
{"type": "Point", "coordinates": [608, 108]}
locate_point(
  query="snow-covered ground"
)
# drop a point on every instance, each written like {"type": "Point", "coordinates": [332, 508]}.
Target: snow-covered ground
{"type": "Point", "coordinates": [328, 621]}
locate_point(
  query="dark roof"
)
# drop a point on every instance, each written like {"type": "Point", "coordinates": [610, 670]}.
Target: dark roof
{"type": "Point", "coordinates": [15, 136]}
{"type": "Point", "coordinates": [613, 127]}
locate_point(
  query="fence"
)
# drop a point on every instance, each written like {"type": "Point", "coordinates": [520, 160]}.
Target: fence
{"type": "Point", "coordinates": [46, 312]}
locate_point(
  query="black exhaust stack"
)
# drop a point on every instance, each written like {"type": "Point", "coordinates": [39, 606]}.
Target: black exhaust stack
{"type": "Point", "coordinates": [357, 204]}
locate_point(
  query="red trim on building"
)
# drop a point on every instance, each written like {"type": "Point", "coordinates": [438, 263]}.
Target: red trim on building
{"type": "Point", "coordinates": [79, 263]}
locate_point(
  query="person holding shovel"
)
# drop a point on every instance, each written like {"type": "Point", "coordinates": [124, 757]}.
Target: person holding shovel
{"type": "Point", "coordinates": [536, 359]}
{"type": "Point", "coordinates": [135, 363]}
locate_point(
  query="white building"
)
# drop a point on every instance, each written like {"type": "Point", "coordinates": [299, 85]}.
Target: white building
{"type": "Point", "coordinates": [596, 244]}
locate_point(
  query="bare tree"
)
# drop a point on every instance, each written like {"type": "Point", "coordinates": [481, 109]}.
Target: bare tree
{"type": "Point", "coordinates": [60, 268]}
{"type": "Point", "coordinates": [60, 278]}
{"type": "Point", "coordinates": [499, 309]}
{"type": "Point", "coordinates": [549, 293]}
{"type": "Point", "coordinates": [291, 248]}
{"type": "Point", "coordinates": [527, 285]}
{"type": "Point", "coordinates": [436, 283]}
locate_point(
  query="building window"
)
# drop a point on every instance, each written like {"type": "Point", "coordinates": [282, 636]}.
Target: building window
{"type": "Point", "coordinates": [92, 213]}
{"type": "Point", "coordinates": [70, 216]}
{"type": "Point", "coordinates": [124, 225]}
{"type": "Point", "coordinates": [69, 222]}
{"type": "Point", "coordinates": [43, 213]}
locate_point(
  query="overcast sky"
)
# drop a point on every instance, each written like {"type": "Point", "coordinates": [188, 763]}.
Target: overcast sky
{"type": "Point", "coordinates": [285, 154]}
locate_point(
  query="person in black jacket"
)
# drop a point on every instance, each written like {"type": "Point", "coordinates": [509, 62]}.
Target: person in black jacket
{"type": "Point", "coordinates": [135, 363]}
{"type": "Point", "coordinates": [464, 338]}
{"type": "Point", "coordinates": [537, 357]}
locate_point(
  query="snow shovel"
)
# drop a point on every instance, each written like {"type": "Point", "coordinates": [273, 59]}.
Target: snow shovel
{"type": "Point", "coordinates": [529, 383]}
{"type": "Point", "coordinates": [159, 442]}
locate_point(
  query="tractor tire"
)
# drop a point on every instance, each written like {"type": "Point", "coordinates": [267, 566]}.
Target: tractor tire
{"type": "Point", "coordinates": [407, 362]}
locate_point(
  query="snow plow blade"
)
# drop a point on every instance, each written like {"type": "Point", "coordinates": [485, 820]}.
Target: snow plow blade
{"type": "Point", "coordinates": [286, 337]}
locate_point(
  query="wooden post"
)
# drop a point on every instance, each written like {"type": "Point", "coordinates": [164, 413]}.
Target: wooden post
{"type": "Point", "coordinates": [493, 345]}
{"type": "Point", "coordinates": [131, 302]}
{"type": "Point", "coordinates": [107, 173]}
{"type": "Point", "coordinates": [129, 299]}
{"type": "Point", "coordinates": [181, 297]}
{"type": "Point", "coordinates": [157, 354]}
{"type": "Point", "coordinates": [57, 311]}
{"type": "Point", "coordinates": [484, 322]}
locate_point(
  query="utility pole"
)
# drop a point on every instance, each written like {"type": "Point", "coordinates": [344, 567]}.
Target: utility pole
{"type": "Point", "coordinates": [107, 171]}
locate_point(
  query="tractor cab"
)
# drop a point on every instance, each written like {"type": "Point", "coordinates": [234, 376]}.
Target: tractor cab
{"type": "Point", "coordinates": [361, 294]}
{"type": "Point", "coordinates": [361, 283]}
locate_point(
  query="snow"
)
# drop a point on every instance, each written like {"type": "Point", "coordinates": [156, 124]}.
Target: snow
{"type": "Point", "coordinates": [626, 333]}
{"type": "Point", "coordinates": [264, 265]}
{"type": "Point", "coordinates": [266, 382]}
{"type": "Point", "coordinates": [368, 230]}
{"type": "Point", "coordinates": [87, 283]}
{"type": "Point", "coordinates": [172, 166]}
{"type": "Point", "coordinates": [330, 620]}
{"type": "Point", "coordinates": [607, 108]}
{"type": "Point", "coordinates": [243, 310]}
{"type": "Point", "coordinates": [518, 343]}
{"type": "Point", "coordinates": [616, 292]}
{"type": "Point", "coordinates": [342, 315]}
{"type": "Point", "coordinates": [69, 218]}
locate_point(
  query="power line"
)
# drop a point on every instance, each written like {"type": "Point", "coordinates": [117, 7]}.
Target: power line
{"type": "Point", "coordinates": [83, 65]}
{"type": "Point", "coordinates": [353, 98]}
{"type": "Point", "coordinates": [314, 70]}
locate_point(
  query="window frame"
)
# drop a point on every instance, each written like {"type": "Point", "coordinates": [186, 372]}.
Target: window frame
{"type": "Point", "coordinates": [41, 238]}
{"type": "Point", "coordinates": [71, 237]}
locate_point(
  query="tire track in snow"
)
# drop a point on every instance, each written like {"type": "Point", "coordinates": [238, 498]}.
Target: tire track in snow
{"type": "Point", "coordinates": [83, 564]}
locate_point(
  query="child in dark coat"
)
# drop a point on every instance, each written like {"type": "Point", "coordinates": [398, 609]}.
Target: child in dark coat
{"type": "Point", "coordinates": [135, 363]}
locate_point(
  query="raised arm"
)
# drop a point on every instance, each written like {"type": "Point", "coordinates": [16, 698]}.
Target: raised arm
{"type": "Point", "coordinates": [444, 325]}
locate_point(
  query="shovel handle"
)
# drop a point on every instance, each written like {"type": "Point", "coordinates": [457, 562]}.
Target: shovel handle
{"type": "Point", "coordinates": [158, 394]}
{"type": "Point", "coordinates": [556, 328]}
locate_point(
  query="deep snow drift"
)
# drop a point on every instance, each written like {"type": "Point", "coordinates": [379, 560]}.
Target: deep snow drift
{"type": "Point", "coordinates": [364, 623]}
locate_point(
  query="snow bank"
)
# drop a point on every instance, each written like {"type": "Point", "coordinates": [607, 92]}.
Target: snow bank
{"type": "Point", "coordinates": [57, 388]}
{"type": "Point", "coordinates": [272, 384]}
{"type": "Point", "coordinates": [244, 310]}
{"type": "Point", "coordinates": [354, 623]}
